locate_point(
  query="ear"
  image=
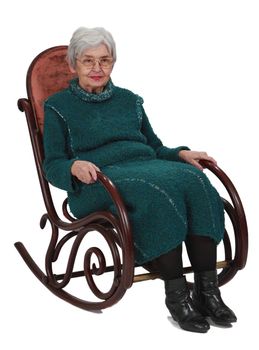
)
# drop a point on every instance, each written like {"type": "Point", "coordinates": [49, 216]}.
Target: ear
{"type": "Point", "coordinates": [72, 69]}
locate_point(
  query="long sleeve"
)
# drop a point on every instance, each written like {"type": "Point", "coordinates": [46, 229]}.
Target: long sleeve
{"type": "Point", "coordinates": [58, 156]}
{"type": "Point", "coordinates": [162, 151]}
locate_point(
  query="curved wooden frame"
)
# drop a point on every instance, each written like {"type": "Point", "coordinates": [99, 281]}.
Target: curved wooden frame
{"type": "Point", "coordinates": [115, 230]}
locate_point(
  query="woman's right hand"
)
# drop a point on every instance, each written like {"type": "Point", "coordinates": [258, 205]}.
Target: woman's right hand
{"type": "Point", "coordinates": [85, 171]}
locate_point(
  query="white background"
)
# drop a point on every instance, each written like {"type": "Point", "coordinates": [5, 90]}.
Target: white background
{"type": "Point", "coordinates": [196, 65]}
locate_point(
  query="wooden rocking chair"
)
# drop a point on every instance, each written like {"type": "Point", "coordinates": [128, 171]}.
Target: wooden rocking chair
{"type": "Point", "coordinates": [47, 74]}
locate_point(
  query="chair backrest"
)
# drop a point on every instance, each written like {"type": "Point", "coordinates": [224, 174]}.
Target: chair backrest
{"type": "Point", "coordinates": [48, 73]}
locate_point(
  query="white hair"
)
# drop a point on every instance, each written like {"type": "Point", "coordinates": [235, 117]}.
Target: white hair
{"type": "Point", "coordinates": [85, 38]}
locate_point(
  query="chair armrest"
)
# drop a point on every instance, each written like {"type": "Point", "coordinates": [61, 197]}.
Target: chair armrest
{"type": "Point", "coordinates": [78, 223]}
{"type": "Point", "coordinates": [240, 218]}
{"type": "Point", "coordinates": [121, 224]}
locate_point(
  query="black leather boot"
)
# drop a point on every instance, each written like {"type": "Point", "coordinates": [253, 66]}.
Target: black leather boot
{"type": "Point", "coordinates": [207, 299]}
{"type": "Point", "coordinates": [180, 305]}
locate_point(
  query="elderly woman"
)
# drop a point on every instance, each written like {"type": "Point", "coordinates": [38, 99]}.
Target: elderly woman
{"type": "Point", "coordinates": [93, 126]}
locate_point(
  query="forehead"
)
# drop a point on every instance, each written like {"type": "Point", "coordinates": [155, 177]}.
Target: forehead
{"type": "Point", "coordinates": [98, 51]}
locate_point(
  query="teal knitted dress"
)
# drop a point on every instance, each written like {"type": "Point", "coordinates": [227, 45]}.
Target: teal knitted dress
{"type": "Point", "coordinates": [165, 197]}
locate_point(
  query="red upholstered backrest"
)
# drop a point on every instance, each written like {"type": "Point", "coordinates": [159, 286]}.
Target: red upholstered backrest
{"type": "Point", "coordinates": [48, 73]}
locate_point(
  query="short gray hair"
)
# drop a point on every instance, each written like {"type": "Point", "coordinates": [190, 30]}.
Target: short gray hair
{"type": "Point", "coordinates": [85, 38]}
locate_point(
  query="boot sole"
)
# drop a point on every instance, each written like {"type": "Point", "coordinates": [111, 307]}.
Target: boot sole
{"type": "Point", "coordinates": [189, 328]}
{"type": "Point", "coordinates": [192, 329]}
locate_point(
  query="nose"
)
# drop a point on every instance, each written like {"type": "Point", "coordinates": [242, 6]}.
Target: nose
{"type": "Point", "coordinates": [96, 66]}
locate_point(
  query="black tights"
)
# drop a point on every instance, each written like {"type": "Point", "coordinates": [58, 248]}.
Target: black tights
{"type": "Point", "coordinates": [202, 253]}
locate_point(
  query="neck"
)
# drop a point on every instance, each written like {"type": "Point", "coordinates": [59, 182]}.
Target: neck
{"type": "Point", "coordinates": [90, 89]}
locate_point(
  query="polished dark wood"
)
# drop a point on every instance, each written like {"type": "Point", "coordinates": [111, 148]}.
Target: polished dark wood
{"type": "Point", "coordinates": [114, 229]}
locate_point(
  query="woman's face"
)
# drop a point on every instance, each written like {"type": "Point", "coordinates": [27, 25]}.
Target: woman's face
{"type": "Point", "coordinates": [94, 68]}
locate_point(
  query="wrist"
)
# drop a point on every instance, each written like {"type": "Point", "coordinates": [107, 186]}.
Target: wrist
{"type": "Point", "coordinates": [73, 167]}
{"type": "Point", "coordinates": [182, 154]}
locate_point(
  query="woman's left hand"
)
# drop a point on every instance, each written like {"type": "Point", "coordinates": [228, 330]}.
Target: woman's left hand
{"type": "Point", "coordinates": [193, 157]}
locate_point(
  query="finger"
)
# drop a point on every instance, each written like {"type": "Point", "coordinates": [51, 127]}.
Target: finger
{"type": "Point", "coordinates": [211, 159]}
{"type": "Point", "coordinates": [93, 166]}
{"type": "Point", "coordinates": [92, 173]}
{"type": "Point", "coordinates": [204, 155]}
{"type": "Point", "coordinates": [196, 164]}
{"type": "Point", "coordinates": [96, 167]}
{"type": "Point", "coordinates": [87, 179]}
{"type": "Point", "coordinates": [85, 176]}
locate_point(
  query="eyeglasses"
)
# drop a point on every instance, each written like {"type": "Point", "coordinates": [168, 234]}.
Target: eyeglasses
{"type": "Point", "coordinates": [89, 62]}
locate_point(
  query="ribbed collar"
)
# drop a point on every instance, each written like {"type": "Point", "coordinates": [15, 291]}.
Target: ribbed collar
{"type": "Point", "coordinates": [89, 97]}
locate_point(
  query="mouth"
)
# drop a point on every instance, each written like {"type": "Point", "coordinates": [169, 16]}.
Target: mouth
{"type": "Point", "coordinates": [96, 77]}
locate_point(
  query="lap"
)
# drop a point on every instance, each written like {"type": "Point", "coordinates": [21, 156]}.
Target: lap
{"type": "Point", "coordinates": [143, 185]}
{"type": "Point", "coordinates": [157, 169]}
